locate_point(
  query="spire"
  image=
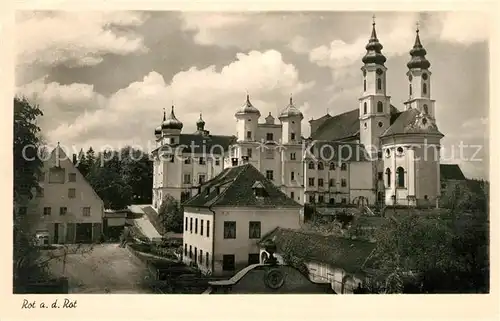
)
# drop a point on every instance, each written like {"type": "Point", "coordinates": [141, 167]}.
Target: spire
{"type": "Point", "coordinates": [164, 114]}
{"type": "Point", "coordinates": [374, 49]}
{"type": "Point", "coordinates": [200, 124]}
{"type": "Point", "coordinates": [418, 53]}
{"type": "Point", "coordinates": [291, 100]}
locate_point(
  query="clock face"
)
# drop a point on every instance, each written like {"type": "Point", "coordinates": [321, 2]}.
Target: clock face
{"type": "Point", "coordinates": [379, 71]}
{"type": "Point", "coordinates": [424, 76]}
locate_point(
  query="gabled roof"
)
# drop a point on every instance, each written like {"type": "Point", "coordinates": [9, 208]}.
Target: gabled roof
{"type": "Point", "coordinates": [336, 251]}
{"type": "Point", "coordinates": [412, 121]}
{"type": "Point", "coordinates": [234, 186]}
{"type": "Point", "coordinates": [203, 143]}
{"type": "Point", "coordinates": [339, 127]}
{"type": "Point", "coordinates": [451, 171]}
{"type": "Point", "coordinates": [339, 151]}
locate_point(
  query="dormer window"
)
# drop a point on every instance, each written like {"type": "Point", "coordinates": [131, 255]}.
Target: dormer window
{"type": "Point", "coordinates": [259, 189]}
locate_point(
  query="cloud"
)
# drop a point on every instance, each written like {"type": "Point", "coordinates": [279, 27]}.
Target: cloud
{"type": "Point", "coordinates": [465, 27]}
{"type": "Point", "coordinates": [76, 38]}
{"type": "Point", "coordinates": [132, 113]}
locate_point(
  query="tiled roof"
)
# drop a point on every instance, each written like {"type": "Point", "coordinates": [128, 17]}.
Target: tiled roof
{"type": "Point", "coordinates": [412, 121]}
{"type": "Point", "coordinates": [234, 187]}
{"type": "Point", "coordinates": [204, 143]}
{"type": "Point", "coordinates": [342, 126]}
{"type": "Point", "coordinates": [451, 171]}
{"type": "Point", "coordinates": [347, 254]}
{"type": "Point", "coordinates": [339, 151]}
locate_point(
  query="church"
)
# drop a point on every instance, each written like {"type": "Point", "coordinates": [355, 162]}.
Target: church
{"type": "Point", "coordinates": [375, 154]}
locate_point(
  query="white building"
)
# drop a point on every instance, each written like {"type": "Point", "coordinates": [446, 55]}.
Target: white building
{"type": "Point", "coordinates": [225, 221]}
{"type": "Point", "coordinates": [65, 207]}
{"type": "Point", "coordinates": [374, 153]}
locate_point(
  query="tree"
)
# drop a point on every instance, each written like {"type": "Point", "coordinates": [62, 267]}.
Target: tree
{"type": "Point", "coordinates": [137, 171]}
{"type": "Point", "coordinates": [171, 214]}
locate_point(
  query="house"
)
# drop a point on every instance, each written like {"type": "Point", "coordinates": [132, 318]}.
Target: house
{"type": "Point", "coordinates": [451, 174]}
{"type": "Point", "coordinates": [65, 207]}
{"type": "Point", "coordinates": [373, 151]}
{"type": "Point", "coordinates": [341, 262]}
{"type": "Point", "coordinates": [224, 222]}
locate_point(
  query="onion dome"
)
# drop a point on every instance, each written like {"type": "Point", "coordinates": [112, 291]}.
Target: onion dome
{"type": "Point", "coordinates": [200, 123]}
{"type": "Point", "coordinates": [291, 111]}
{"type": "Point", "coordinates": [417, 54]}
{"type": "Point", "coordinates": [171, 122]}
{"type": "Point", "coordinates": [158, 130]}
{"type": "Point", "coordinates": [374, 50]}
{"type": "Point", "coordinates": [247, 108]}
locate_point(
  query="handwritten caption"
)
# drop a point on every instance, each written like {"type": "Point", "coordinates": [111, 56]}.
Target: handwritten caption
{"type": "Point", "coordinates": [65, 304]}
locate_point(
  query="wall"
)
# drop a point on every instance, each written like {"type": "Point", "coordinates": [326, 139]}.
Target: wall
{"type": "Point", "coordinates": [361, 181]}
{"type": "Point", "coordinates": [193, 239]}
{"type": "Point", "coordinates": [242, 245]}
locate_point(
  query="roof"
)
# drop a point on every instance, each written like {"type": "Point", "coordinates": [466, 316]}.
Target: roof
{"type": "Point", "coordinates": [347, 254]}
{"type": "Point", "coordinates": [342, 126]}
{"type": "Point", "coordinates": [203, 144]}
{"type": "Point", "coordinates": [339, 151]}
{"type": "Point", "coordinates": [451, 171]}
{"type": "Point", "coordinates": [234, 187]}
{"type": "Point", "coordinates": [412, 121]}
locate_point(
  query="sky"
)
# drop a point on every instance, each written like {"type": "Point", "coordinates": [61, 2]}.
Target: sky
{"type": "Point", "coordinates": [103, 79]}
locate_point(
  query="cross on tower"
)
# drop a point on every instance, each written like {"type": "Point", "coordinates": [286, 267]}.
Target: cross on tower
{"type": "Point", "coordinates": [373, 18]}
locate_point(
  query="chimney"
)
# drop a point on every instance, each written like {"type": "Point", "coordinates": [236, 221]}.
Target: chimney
{"type": "Point", "coordinates": [74, 159]}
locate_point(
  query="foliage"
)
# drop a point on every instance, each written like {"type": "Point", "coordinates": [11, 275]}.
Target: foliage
{"type": "Point", "coordinates": [470, 195]}
{"type": "Point", "coordinates": [171, 214]}
{"type": "Point", "coordinates": [137, 172]}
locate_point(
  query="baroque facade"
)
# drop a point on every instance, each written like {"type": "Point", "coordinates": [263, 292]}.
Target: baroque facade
{"type": "Point", "coordinates": [372, 154]}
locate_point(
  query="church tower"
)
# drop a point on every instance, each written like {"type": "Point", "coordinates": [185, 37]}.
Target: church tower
{"type": "Point", "coordinates": [247, 119]}
{"type": "Point", "coordinates": [419, 80]}
{"type": "Point", "coordinates": [374, 104]}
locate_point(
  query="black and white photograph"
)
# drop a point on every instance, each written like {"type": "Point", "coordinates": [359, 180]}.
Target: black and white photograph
{"type": "Point", "coordinates": [250, 152]}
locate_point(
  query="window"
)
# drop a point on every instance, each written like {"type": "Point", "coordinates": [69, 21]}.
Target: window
{"type": "Point", "coordinates": [40, 192]}
{"type": "Point", "coordinates": [47, 210]}
{"type": "Point", "coordinates": [332, 201]}
{"type": "Point", "coordinates": [229, 229]}
{"type": "Point", "coordinates": [269, 136]}
{"type": "Point", "coordinates": [269, 175]}
{"type": "Point", "coordinates": [364, 84]}
{"type": "Point", "coordinates": [22, 210]}
{"type": "Point", "coordinates": [71, 192]}
{"type": "Point", "coordinates": [249, 152]}
{"type": "Point", "coordinates": [195, 254]}
{"type": "Point", "coordinates": [311, 165]}
{"type": "Point", "coordinates": [365, 108]}
{"type": "Point", "coordinates": [201, 227]}
{"type": "Point", "coordinates": [72, 177]}
{"type": "Point", "coordinates": [270, 154]}
{"type": "Point", "coordinates": [321, 199]}
{"type": "Point", "coordinates": [424, 88]}
{"type": "Point", "coordinates": [217, 161]}
{"type": "Point", "coordinates": [388, 174]}
{"type": "Point", "coordinates": [343, 182]}
{"type": "Point", "coordinates": [86, 211]}
{"type": "Point", "coordinates": [379, 84]}
{"type": "Point", "coordinates": [331, 182]}
{"type": "Point", "coordinates": [208, 228]}
{"type": "Point", "coordinates": [380, 107]}
{"type": "Point", "coordinates": [380, 176]}
{"type": "Point", "coordinates": [191, 224]}
{"type": "Point", "coordinates": [249, 135]}
{"type": "Point", "coordinates": [186, 224]}
{"type": "Point", "coordinates": [187, 178]}
{"type": "Point", "coordinates": [63, 210]}
{"type": "Point", "coordinates": [400, 150]}
{"type": "Point", "coordinates": [426, 109]}
{"type": "Point", "coordinates": [292, 176]}
{"type": "Point", "coordinates": [292, 195]}
{"type": "Point", "coordinates": [57, 175]}
{"type": "Point", "coordinates": [424, 76]}
{"type": "Point", "coordinates": [344, 200]}
{"type": "Point", "coordinates": [401, 177]}
{"type": "Point", "coordinates": [190, 252]}
{"type": "Point", "coordinates": [332, 166]}
{"type": "Point", "coordinates": [311, 181]}
{"type": "Point", "coordinates": [202, 161]}
{"type": "Point", "coordinates": [200, 257]}
{"type": "Point", "coordinates": [320, 166]}
{"type": "Point", "coordinates": [253, 259]}
{"type": "Point", "coordinates": [343, 167]}
{"type": "Point", "coordinates": [254, 230]}
{"type": "Point", "coordinates": [311, 199]}
{"type": "Point", "coordinates": [201, 179]}
{"type": "Point", "coordinates": [380, 124]}
{"type": "Point", "coordinates": [320, 182]}
{"type": "Point", "coordinates": [187, 160]}
{"type": "Point", "coordinates": [185, 249]}
{"type": "Point", "coordinates": [292, 136]}
{"type": "Point", "coordinates": [292, 156]}
{"type": "Point", "coordinates": [195, 226]}
{"type": "Point", "coordinates": [228, 262]}
{"type": "Point", "coordinates": [206, 259]}
{"type": "Point", "coordinates": [172, 158]}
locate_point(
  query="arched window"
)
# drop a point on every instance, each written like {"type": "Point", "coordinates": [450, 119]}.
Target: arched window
{"type": "Point", "coordinates": [388, 174]}
{"type": "Point", "coordinates": [426, 109]}
{"type": "Point", "coordinates": [320, 166]}
{"type": "Point", "coordinates": [343, 166]}
{"type": "Point", "coordinates": [332, 166]}
{"type": "Point", "coordinates": [410, 90]}
{"type": "Point", "coordinates": [311, 165]}
{"type": "Point", "coordinates": [364, 84]}
{"type": "Point", "coordinates": [379, 84]}
{"type": "Point", "coordinates": [424, 88]}
{"type": "Point", "coordinates": [380, 107]}
{"type": "Point", "coordinates": [365, 108]}
{"type": "Point", "coordinates": [401, 177]}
